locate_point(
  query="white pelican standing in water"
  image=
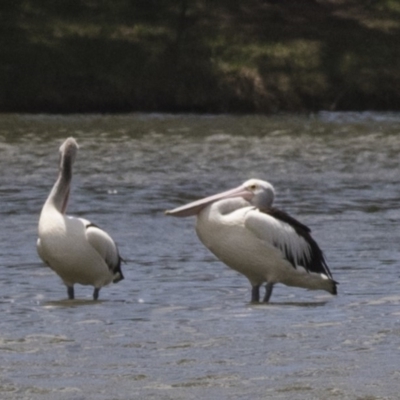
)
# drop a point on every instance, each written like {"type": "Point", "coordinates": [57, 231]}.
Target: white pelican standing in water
{"type": "Point", "coordinates": [244, 231]}
{"type": "Point", "coordinates": [77, 250]}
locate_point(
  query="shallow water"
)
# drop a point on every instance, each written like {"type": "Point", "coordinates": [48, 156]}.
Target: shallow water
{"type": "Point", "coordinates": [180, 326]}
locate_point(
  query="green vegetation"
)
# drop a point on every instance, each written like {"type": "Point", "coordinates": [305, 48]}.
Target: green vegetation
{"type": "Point", "coordinates": [199, 55]}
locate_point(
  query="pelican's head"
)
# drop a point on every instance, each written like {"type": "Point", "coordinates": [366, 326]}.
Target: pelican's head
{"type": "Point", "coordinates": [69, 149]}
{"type": "Point", "coordinates": [256, 192]}
{"type": "Point", "coordinates": [261, 194]}
{"type": "Point", "coordinates": [68, 152]}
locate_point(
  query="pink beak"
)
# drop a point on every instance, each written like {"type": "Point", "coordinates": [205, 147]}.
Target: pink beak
{"type": "Point", "coordinates": [196, 206]}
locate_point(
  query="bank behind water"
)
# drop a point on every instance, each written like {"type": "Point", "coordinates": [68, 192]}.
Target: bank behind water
{"type": "Point", "coordinates": [182, 56]}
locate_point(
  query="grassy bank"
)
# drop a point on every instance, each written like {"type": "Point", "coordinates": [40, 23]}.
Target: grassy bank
{"type": "Point", "coordinates": [199, 56]}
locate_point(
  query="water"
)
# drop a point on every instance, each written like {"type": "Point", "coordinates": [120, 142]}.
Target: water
{"type": "Point", "coordinates": [180, 326]}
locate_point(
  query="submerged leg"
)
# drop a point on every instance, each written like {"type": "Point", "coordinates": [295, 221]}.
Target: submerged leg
{"type": "Point", "coordinates": [268, 292]}
{"type": "Point", "coordinates": [70, 291]}
{"type": "Point", "coordinates": [96, 293]}
{"type": "Point", "coordinates": [255, 294]}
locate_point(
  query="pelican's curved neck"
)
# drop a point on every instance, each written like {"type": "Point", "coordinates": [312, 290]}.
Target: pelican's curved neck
{"type": "Point", "coordinates": [227, 206]}
{"type": "Point", "coordinates": [59, 194]}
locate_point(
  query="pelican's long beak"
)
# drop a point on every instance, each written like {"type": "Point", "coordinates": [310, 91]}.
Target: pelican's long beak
{"type": "Point", "coordinates": [196, 206]}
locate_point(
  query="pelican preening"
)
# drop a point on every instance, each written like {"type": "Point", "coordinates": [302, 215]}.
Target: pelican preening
{"type": "Point", "coordinates": [77, 250]}
{"type": "Point", "coordinates": [243, 229]}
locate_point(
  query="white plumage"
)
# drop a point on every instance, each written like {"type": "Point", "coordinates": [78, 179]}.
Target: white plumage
{"type": "Point", "coordinates": [77, 250]}
{"type": "Point", "coordinates": [244, 231]}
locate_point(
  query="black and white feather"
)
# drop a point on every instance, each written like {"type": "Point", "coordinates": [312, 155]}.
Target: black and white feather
{"type": "Point", "coordinates": [295, 241]}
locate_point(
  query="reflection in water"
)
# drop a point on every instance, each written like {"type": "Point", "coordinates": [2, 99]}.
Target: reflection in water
{"type": "Point", "coordinates": [179, 325]}
{"type": "Point", "coordinates": [293, 303]}
{"type": "Point", "coordinates": [71, 303]}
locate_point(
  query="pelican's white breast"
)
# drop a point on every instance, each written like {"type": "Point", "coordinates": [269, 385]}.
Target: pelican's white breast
{"type": "Point", "coordinates": [228, 237]}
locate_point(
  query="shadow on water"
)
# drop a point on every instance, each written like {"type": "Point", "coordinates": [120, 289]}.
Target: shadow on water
{"type": "Point", "coordinates": [67, 303]}
{"type": "Point", "coordinates": [307, 304]}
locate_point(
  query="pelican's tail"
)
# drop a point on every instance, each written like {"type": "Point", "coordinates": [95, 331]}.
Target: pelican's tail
{"type": "Point", "coordinates": [311, 280]}
{"type": "Point", "coordinates": [333, 289]}
{"type": "Point", "coordinates": [118, 276]}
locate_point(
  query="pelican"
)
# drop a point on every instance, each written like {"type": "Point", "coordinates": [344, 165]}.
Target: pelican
{"type": "Point", "coordinates": [77, 250]}
{"type": "Point", "coordinates": [242, 228]}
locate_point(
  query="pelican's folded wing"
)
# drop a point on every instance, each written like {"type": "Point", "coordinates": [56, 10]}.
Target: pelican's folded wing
{"type": "Point", "coordinates": [290, 236]}
{"type": "Point", "coordinates": [106, 247]}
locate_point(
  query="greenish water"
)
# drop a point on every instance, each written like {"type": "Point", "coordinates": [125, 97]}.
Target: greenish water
{"type": "Point", "coordinates": [180, 325]}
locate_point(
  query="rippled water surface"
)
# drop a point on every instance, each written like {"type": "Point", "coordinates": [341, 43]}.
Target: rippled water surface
{"type": "Point", "coordinates": [180, 326]}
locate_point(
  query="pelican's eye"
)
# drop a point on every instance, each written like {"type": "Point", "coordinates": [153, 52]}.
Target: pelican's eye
{"type": "Point", "coordinates": [253, 186]}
